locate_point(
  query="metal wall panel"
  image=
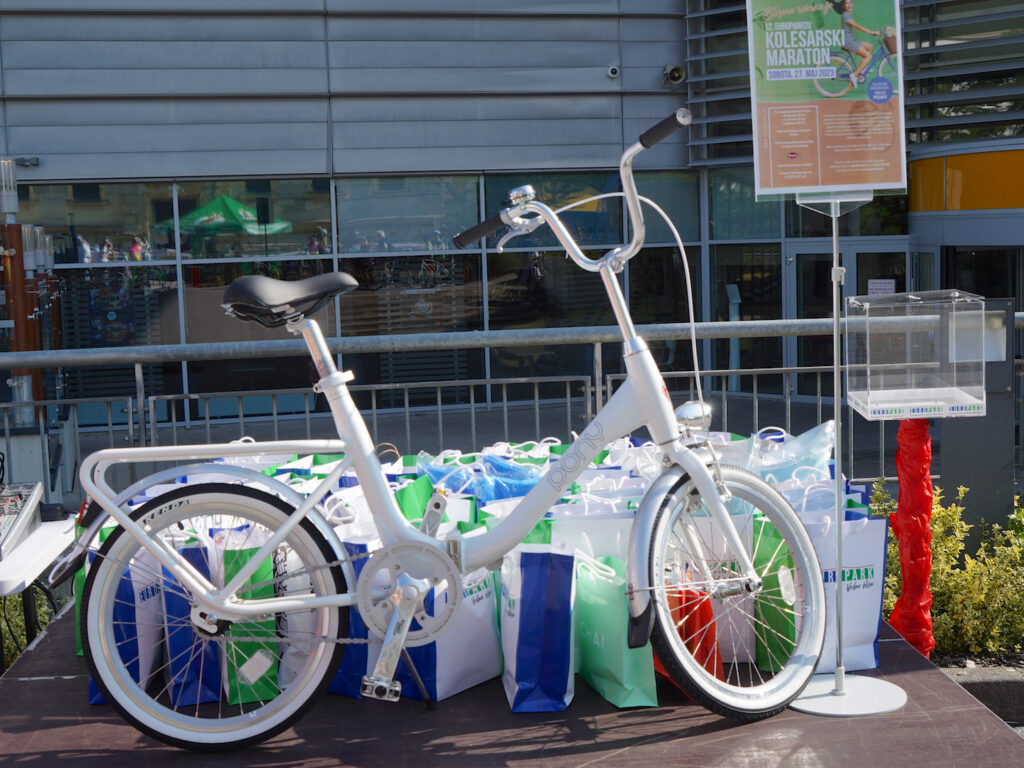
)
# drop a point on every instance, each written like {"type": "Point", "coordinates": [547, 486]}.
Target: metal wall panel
{"type": "Point", "coordinates": [115, 89]}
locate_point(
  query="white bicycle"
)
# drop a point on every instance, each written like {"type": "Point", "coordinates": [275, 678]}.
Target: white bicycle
{"type": "Point", "coordinates": [722, 576]}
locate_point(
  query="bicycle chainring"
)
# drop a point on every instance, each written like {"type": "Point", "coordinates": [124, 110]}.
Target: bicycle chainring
{"type": "Point", "coordinates": [379, 581]}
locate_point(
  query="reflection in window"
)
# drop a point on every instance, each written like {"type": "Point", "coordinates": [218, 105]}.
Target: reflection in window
{"type": "Point", "coordinates": [96, 223]}
{"type": "Point", "coordinates": [678, 194]}
{"type": "Point", "coordinates": [657, 294]}
{"type": "Point", "coordinates": [404, 213]}
{"type": "Point", "coordinates": [205, 321]}
{"type": "Point", "coordinates": [598, 222]}
{"type": "Point", "coordinates": [247, 219]}
{"type": "Point", "coordinates": [884, 215]}
{"type": "Point", "coordinates": [414, 293]}
{"type": "Point", "coordinates": [117, 306]}
{"type": "Point", "coordinates": [756, 272]}
{"type": "Point", "coordinates": [543, 289]}
{"type": "Point", "coordinates": [734, 212]}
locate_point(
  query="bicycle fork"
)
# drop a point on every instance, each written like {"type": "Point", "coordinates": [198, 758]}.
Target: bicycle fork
{"type": "Point", "coordinates": [686, 463]}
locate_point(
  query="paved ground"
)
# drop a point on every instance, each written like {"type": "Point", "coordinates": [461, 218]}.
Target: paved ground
{"type": "Point", "coordinates": [44, 719]}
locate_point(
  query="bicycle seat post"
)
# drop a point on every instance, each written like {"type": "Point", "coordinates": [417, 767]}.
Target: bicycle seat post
{"type": "Point", "coordinates": [310, 331]}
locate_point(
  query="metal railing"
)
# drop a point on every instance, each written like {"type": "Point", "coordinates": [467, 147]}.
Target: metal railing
{"type": "Point", "coordinates": [470, 413]}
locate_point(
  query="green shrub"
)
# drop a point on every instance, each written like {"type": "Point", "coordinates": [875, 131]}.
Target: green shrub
{"type": "Point", "coordinates": [12, 624]}
{"type": "Point", "coordinates": [977, 599]}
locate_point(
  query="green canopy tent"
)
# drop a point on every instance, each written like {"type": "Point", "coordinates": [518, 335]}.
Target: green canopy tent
{"type": "Point", "coordinates": [224, 215]}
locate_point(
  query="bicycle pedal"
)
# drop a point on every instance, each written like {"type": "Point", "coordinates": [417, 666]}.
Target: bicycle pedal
{"type": "Point", "coordinates": [380, 688]}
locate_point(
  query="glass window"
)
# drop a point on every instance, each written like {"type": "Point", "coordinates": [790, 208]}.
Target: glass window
{"type": "Point", "coordinates": [250, 219]}
{"type": "Point", "coordinates": [537, 289]}
{"type": "Point", "coordinates": [205, 321]}
{"type": "Point", "coordinates": [117, 306]}
{"type": "Point", "coordinates": [102, 222]}
{"type": "Point", "coordinates": [755, 271]}
{"type": "Point", "coordinates": [884, 215]}
{"type": "Point", "coordinates": [595, 223]}
{"type": "Point", "coordinates": [414, 293]}
{"type": "Point", "coordinates": [405, 213]}
{"type": "Point", "coordinates": [678, 194]}
{"type": "Point", "coordinates": [734, 212]}
{"type": "Point", "coordinates": [657, 294]}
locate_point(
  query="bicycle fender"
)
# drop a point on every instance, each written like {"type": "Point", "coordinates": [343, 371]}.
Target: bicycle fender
{"type": "Point", "coordinates": [638, 591]}
{"type": "Point", "coordinates": [95, 516]}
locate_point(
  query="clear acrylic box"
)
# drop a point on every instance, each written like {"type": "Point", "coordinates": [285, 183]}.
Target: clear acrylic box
{"type": "Point", "coordinates": [916, 355]}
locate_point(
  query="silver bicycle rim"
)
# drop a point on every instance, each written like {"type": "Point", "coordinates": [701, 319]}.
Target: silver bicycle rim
{"type": "Point", "coordinates": [221, 723]}
{"type": "Point", "coordinates": [763, 671]}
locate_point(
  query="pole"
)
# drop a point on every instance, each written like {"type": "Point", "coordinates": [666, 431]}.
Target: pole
{"type": "Point", "coordinates": [838, 278]}
{"type": "Point", "coordinates": [856, 695]}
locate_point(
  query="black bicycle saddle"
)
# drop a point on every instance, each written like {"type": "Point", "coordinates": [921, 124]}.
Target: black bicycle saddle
{"type": "Point", "coordinates": [273, 303]}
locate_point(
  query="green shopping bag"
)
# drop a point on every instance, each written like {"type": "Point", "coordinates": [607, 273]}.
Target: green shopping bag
{"type": "Point", "coordinates": [79, 585]}
{"type": "Point", "coordinates": [623, 676]}
{"type": "Point", "coordinates": [250, 663]}
{"type": "Point", "coordinates": [775, 637]}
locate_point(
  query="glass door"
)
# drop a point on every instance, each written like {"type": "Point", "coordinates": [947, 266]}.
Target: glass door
{"type": "Point", "coordinates": [749, 285]}
{"type": "Point", "coordinates": [871, 268]}
{"type": "Point", "coordinates": [810, 296]}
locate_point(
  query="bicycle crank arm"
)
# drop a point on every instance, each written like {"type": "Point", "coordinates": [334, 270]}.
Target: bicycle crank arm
{"type": "Point", "coordinates": [382, 684]}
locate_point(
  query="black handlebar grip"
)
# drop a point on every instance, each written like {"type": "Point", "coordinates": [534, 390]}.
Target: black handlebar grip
{"type": "Point", "coordinates": [665, 128]}
{"type": "Point", "coordinates": [481, 230]}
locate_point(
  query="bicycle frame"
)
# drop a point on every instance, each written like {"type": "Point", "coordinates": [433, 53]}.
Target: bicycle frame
{"type": "Point", "coordinates": [642, 400]}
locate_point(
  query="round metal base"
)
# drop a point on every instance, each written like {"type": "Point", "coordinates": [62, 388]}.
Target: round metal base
{"type": "Point", "coordinates": [860, 696]}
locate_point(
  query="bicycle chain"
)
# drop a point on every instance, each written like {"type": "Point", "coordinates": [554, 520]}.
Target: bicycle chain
{"type": "Point", "coordinates": [309, 569]}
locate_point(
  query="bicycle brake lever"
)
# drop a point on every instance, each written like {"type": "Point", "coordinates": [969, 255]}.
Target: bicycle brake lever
{"type": "Point", "coordinates": [519, 226]}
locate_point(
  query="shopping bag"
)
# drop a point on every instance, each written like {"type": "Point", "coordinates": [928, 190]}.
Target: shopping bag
{"type": "Point", "coordinates": [776, 455]}
{"type": "Point", "coordinates": [359, 658]}
{"type": "Point", "coordinates": [193, 663]}
{"type": "Point", "coordinates": [537, 584]}
{"type": "Point", "coordinates": [486, 477]}
{"type": "Point", "coordinates": [773, 606]}
{"type": "Point", "coordinates": [735, 639]}
{"type": "Point", "coordinates": [623, 676]}
{"type": "Point", "coordinates": [862, 581]}
{"type": "Point", "coordinates": [469, 652]}
{"type": "Point", "coordinates": [79, 583]}
{"type": "Point", "coordinates": [694, 618]}
{"type": "Point", "coordinates": [249, 662]}
{"type": "Point", "coordinates": [138, 622]}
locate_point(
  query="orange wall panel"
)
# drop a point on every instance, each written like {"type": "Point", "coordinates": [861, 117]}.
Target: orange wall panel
{"type": "Point", "coordinates": [927, 184]}
{"type": "Point", "coordinates": [985, 180]}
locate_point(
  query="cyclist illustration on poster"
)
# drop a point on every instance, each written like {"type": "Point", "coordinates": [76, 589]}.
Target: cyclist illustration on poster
{"type": "Point", "coordinates": [827, 96]}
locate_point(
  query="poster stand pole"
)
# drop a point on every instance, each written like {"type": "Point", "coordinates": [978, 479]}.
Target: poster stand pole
{"type": "Point", "coordinates": [839, 695]}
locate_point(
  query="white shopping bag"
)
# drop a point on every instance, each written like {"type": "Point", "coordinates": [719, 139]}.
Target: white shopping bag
{"type": "Point", "coordinates": [862, 583]}
{"type": "Point", "coordinates": [469, 652]}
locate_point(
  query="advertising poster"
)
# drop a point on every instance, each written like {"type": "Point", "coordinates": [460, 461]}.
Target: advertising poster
{"type": "Point", "coordinates": [827, 95]}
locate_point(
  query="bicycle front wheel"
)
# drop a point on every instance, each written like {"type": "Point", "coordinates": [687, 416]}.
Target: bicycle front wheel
{"type": "Point", "coordinates": [840, 85]}
{"type": "Point", "coordinates": [740, 654]}
{"type": "Point", "coordinates": [223, 686]}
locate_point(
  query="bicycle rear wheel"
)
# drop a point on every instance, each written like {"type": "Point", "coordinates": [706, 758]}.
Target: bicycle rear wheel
{"type": "Point", "coordinates": [741, 655]}
{"type": "Point", "coordinates": [242, 682]}
{"type": "Point", "coordinates": [840, 85]}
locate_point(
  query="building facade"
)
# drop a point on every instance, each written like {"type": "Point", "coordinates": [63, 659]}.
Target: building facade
{"type": "Point", "coordinates": [170, 147]}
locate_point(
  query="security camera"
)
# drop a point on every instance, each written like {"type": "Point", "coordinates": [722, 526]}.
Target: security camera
{"type": "Point", "coordinates": [612, 71]}
{"type": "Point", "coordinates": [674, 74]}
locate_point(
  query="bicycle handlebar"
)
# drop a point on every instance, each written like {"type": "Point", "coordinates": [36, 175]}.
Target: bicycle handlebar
{"type": "Point", "coordinates": [648, 139]}
{"type": "Point", "coordinates": [478, 231]}
{"type": "Point", "coordinates": [665, 128]}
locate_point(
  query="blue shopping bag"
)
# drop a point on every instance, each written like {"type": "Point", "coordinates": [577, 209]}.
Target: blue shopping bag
{"type": "Point", "coordinates": [137, 623]}
{"type": "Point", "coordinates": [358, 658]}
{"type": "Point", "coordinates": [193, 664]}
{"type": "Point", "coordinates": [537, 588]}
